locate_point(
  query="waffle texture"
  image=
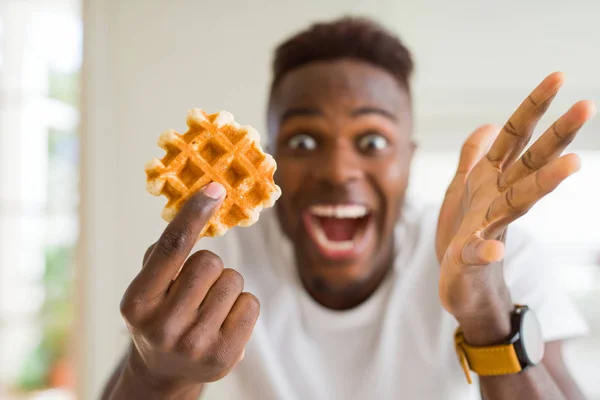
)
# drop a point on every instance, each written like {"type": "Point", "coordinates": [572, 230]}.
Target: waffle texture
{"type": "Point", "coordinates": [215, 148]}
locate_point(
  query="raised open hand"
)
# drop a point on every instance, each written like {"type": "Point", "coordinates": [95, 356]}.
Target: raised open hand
{"type": "Point", "coordinates": [493, 187]}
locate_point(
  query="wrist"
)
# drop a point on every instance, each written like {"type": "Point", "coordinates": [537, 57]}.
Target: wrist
{"type": "Point", "coordinates": [491, 325]}
{"type": "Point", "coordinates": [137, 381]}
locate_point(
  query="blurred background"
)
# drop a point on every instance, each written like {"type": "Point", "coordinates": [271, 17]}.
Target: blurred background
{"type": "Point", "coordinates": [87, 86]}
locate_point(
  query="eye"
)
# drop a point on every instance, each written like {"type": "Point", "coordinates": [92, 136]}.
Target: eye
{"type": "Point", "coordinates": [372, 142]}
{"type": "Point", "coordinates": [302, 142]}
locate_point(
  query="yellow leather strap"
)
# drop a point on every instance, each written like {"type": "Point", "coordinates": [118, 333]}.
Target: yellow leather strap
{"type": "Point", "coordinates": [486, 361]}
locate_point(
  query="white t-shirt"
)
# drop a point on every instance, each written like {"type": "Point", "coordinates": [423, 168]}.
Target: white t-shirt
{"type": "Point", "coordinates": [397, 344]}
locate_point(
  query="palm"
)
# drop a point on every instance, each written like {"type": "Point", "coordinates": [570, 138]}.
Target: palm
{"type": "Point", "coordinates": [494, 186]}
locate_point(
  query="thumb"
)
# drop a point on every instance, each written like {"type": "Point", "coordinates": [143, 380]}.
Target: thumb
{"type": "Point", "coordinates": [479, 251]}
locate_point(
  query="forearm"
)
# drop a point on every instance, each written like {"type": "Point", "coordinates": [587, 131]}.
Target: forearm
{"type": "Point", "coordinates": [534, 383]}
{"type": "Point", "coordinates": [130, 382]}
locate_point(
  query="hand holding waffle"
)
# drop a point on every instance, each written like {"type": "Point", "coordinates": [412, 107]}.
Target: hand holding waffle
{"type": "Point", "coordinates": [193, 329]}
{"type": "Point", "coordinates": [188, 317]}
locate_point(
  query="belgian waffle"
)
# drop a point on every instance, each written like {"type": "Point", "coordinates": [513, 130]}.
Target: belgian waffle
{"type": "Point", "coordinates": [215, 148]}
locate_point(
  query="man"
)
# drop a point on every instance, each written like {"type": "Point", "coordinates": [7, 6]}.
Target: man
{"type": "Point", "coordinates": [361, 290]}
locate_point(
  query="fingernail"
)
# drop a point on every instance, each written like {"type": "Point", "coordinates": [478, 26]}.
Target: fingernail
{"type": "Point", "coordinates": [214, 190]}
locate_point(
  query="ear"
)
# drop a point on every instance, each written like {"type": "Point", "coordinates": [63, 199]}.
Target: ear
{"type": "Point", "coordinates": [412, 147]}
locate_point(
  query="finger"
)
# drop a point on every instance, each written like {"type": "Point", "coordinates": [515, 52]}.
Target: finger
{"type": "Point", "coordinates": [518, 130]}
{"type": "Point", "coordinates": [148, 253]}
{"type": "Point", "coordinates": [478, 251]}
{"type": "Point", "coordinates": [241, 320]}
{"type": "Point", "coordinates": [472, 151]}
{"type": "Point", "coordinates": [551, 144]}
{"type": "Point", "coordinates": [197, 276]}
{"type": "Point", "coordinates": [235, 332]}
{"type": "Point", "coordinates": [242, 355]}
{"type": "Point", "coordinates": [475, 147]}
{"type": "Point", "coordinates": [220, 298]}
{"type": "Point", "coordinates": [177, 241]}
{"type": "Point", "coordinates": [522, 195]}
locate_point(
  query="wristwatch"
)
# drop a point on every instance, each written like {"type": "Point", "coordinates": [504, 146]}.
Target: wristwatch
{"type": "Point", "coordinates": [524, 348]}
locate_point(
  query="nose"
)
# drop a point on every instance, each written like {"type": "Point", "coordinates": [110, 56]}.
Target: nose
{"type": "Point", "coordinates": [337, 167]}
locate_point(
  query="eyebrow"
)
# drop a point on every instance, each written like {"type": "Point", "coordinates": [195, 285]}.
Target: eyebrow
{"type": "Point", "coordinates": [373, 110]}
{"type": "Point", "coordinates": [300, 112]}
{"type": "Point", "coordinates": [313, 112]}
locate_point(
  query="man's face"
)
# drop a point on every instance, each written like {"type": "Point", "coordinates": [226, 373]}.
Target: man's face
{"type": "Point", "coordinates": [341, 135]}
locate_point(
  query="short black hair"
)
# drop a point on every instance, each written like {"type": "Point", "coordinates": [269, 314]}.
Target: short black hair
{"type": "Point", "coordinates": [346, 38]}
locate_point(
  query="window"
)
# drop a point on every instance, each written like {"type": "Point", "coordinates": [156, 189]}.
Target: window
{"type": "Point", "coordinates": [40, 58]}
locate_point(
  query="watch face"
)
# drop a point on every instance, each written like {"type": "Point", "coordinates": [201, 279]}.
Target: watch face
{"type": "Point", "coordinates": [531, 337]}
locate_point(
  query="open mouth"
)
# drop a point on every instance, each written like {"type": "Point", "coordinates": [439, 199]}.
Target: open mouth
{"type": "Point", "coordinates": [339, 230]}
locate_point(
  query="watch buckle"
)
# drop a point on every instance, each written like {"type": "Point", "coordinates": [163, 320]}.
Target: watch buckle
{"type": "Point", "coordinates": [462, 357]}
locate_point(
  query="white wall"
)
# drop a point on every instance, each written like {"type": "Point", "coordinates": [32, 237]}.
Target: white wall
{"type": "Point", "coordinates": [147, 62]}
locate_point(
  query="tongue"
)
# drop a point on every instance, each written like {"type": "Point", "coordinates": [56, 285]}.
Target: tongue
{"type": "Point", "coordinates": [339, 229]}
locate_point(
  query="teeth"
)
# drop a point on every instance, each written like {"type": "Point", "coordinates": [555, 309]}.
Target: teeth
{"type": "Point", "coordinates": [339, 211]}
{"type": "Point", "coordinates": [345, 245]}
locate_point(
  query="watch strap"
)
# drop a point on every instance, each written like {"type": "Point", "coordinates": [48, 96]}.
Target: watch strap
{"type": "Point", "coordinates": [494, 360]}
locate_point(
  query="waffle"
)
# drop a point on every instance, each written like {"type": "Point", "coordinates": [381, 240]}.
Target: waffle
{"type": "Point", "coordinates": [215, 148]}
